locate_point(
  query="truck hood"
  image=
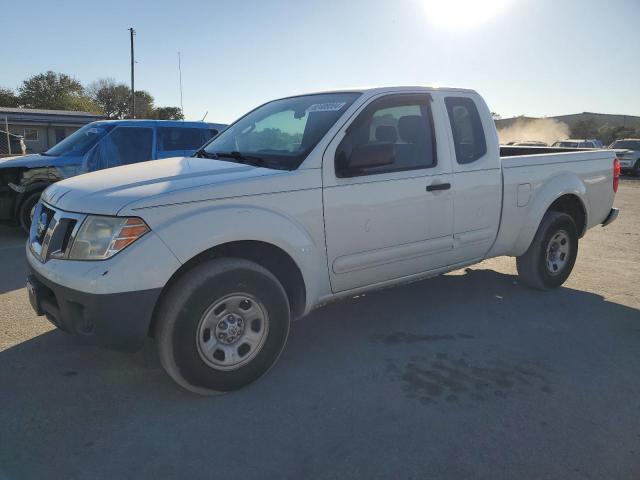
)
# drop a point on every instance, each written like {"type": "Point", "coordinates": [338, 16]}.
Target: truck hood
{"type": "Point", "coordinates": [160, 182]}
{"type": "Point", "coordinates": [35, 161]}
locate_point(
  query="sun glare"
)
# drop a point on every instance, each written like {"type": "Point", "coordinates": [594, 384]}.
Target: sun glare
{"type": "Point", "coordinates": [463, 14]}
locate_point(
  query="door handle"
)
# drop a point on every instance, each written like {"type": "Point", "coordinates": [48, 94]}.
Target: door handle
{"type": "Point", "coordinates": [438, 186]}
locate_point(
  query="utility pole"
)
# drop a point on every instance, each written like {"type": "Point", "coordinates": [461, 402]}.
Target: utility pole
{"type": "Point", "coordinates": [180, 73]}
{"type": "Point", "coordinates": [132, 32]}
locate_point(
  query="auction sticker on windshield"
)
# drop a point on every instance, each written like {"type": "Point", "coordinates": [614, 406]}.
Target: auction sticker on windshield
{"type": "Point", "coordinates": [326, 107]}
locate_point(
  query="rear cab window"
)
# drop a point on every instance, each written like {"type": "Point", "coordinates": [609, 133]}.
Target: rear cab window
{"type": "Point", "coordinates": [466, 126]}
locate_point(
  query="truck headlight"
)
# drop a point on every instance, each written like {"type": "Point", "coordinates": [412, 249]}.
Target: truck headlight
{"type": "Point", "coordinates": [101, 237]}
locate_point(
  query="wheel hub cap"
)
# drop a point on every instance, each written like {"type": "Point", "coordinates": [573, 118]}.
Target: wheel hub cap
{"type": "Point", "coordinates": [558, 250]}
{"type": "Point", "coordinates": [232, 331]}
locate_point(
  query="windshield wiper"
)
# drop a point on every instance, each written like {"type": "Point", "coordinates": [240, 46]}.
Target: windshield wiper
{"type": "Point", "coordinates": [241, 158]}
{"type": "Point", "coordinates": [202, 153]}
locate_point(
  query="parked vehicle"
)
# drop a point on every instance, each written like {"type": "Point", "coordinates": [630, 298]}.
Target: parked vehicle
{"type": "Point", "coordinates": [628, 152]}
{"type": "Point", "coordinates": [95, 146]}
{"type": "Point", "coordinates": [530, 143]}
{"type": "Point", "coordinates": [304, 200]}
{"type": "Point", "coordinates": [589, 143]}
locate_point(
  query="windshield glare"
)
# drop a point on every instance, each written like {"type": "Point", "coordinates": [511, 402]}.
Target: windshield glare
{"type": "Point", "coordinates": [80, 141]}
{"type": "Point", "coordinates": [283, 132]}
{"type": "Point", "coordinates": [627, 144]}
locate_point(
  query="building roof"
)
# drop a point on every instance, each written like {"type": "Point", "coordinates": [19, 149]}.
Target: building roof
{"type": "Point", "coordinates": [38, 111]}
{"type": "Point", "coordinates": [46, 117]}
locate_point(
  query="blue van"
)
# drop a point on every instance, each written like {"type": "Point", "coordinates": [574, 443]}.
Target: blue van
{"type": "Point", "coordinates": [95, 146]}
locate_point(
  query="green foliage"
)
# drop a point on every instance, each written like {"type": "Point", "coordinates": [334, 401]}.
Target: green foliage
{"type": "Point", "coordinates": [168, 113]}
{"type": "Point", "coordinates": [584, 129]}
{"type": "Point", "coordinates": [8, 98]}
{"type": "Point", "coordinates": [144, 104]}
{"type": "Point", "coordinates": [113, 98]}
{"type": "Point", "coordinates": [609, 134]}
{"type": "Point", "coordinates": [56, 91]}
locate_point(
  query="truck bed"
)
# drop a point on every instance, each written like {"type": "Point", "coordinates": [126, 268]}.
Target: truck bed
{"type": "Point", "coordinates": [515, 151]}
{"type": "Point", "coordinates": [529, 177]}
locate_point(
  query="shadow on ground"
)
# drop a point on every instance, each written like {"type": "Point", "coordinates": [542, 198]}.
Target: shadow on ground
{"type": "Point", "coordinates": [13, 267]}
{"type": "Point", "coordinates": [435, 376]}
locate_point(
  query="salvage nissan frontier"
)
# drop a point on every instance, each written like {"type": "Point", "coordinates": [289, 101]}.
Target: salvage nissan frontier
{"type": "Point", "coordinates": [301, 201]}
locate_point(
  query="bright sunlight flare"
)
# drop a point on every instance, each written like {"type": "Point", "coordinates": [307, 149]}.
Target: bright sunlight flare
{"type": "Point", "coordinates": [463, 14]}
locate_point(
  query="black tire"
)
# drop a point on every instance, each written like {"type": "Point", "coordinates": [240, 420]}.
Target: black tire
{"type": "Point", "coordinates": [185, 304]}
{"type": "Point", "coordinates": [24, 212]}
{"type": "Point", "coordinates": [532, 266]}
{"type": "Point", "coordinates": [636, 169]}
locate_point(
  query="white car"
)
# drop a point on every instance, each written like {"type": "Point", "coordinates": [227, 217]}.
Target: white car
{"type": "Point", "coordinates": [628, 152]}
{"type": "Point", "coordinates": [570, 143]}
{"type": "Point", "coordinates": [304, 200]}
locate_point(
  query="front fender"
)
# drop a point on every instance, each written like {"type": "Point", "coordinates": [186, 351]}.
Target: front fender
{"type": "Point", "coordinates": [543, 197]}
{"type": "Point", "coordinates": [195, 231]}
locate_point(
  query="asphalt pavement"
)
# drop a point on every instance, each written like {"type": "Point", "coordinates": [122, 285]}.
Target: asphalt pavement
{"type": "Point", "coordinates": [467, 375]}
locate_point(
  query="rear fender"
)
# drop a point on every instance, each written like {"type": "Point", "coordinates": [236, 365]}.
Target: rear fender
{"type": "Point", "coordinates": [544, 195]}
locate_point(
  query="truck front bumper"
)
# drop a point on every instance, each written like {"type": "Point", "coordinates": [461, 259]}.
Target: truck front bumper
{"type": "Point", "coordinates": [110, 300]}
{"type": "Point", "coordinates": [116, 320]}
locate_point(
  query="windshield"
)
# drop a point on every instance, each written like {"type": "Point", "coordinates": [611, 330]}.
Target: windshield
{"type": "Point", "coordinates": [80, 141]}
{"type": "Point", "coordinates": [280, 134]}
{"type": "Point", "coordinates": [626, 144]}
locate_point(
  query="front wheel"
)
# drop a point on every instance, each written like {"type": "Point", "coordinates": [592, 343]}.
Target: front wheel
{"type": "Point", "coordinates": [25, 212]}
{"type": "Point", "coordinates": [550, 258]}
{"type": "Point", "coordinates": [222, 325]}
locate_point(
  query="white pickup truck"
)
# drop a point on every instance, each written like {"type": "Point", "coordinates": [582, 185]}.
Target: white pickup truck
{"type": "Point", "coordinates": [303, 200]}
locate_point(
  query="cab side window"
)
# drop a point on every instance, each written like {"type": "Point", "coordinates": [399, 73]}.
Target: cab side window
{"type": "Point", "coordinates": [130, 145]}
{"type": "Point", "coordinates": [466, 126]}
{"type": "Point", "coordinates": [178, 139]}
{"type": "Point", "coordinates": [392, 134]}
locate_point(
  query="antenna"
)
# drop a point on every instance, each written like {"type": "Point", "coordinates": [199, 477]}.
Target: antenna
{"type": "Point", "coordinates": [180, 76]}
{"type": "Point", "coordinates": [205, 115]}
{"type": "Point", "coordinates": [132, 32]}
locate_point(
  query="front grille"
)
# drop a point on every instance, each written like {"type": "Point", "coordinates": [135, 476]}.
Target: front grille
{"type": "Point", "coordinates": [52, 232]}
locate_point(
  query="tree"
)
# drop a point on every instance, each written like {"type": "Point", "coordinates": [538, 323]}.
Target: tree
{"type": "Point", "coordinates": [168, 113]}
{"type": "Point", "coordinates": [584, 129]}
{"type": "Point", "coordinates": [113, 98]}
{"type": "Point", "coordinates": [56, 91]}
{"type": "Point", "coordinates": [8, 98]}
{"type": "Point", "coordinates": [144, 104]}
{"type": "Point", "coordinates": [609, 134]}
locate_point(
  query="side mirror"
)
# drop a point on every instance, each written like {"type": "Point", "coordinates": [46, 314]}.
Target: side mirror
{"type": "Point", "coordinates": [370, 155]}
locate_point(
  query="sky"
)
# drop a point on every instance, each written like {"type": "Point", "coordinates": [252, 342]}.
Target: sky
{"type": "Point", "coordinates": [526, 57]}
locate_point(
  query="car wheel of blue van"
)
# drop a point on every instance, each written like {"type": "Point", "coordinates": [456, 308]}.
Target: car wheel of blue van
{"type": "Point", "coordinates": [25, 212]}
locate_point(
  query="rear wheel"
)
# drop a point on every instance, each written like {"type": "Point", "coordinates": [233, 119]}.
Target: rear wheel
{"type": "Point", "coordinates": [25, 212]}
{"type": "Point", "coordinates": [550, 258]}
{"type": "Point", "coordinates": [222, 325]}
{"type": "Point", "coordinates": [636, 169]}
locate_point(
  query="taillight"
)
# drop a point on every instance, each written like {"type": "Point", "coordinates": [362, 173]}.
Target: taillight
{"type": "Point", "coordinates": [616, 174]}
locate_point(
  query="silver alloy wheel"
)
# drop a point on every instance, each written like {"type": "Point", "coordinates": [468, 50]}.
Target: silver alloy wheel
{"type": "Point", "coordinates": [558, 250]}
{"type": "Point", "coordinates": [232, 331]}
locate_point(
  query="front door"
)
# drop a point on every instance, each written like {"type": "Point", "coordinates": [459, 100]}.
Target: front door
{"type": "Point", "coordinates": [387, 218]}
